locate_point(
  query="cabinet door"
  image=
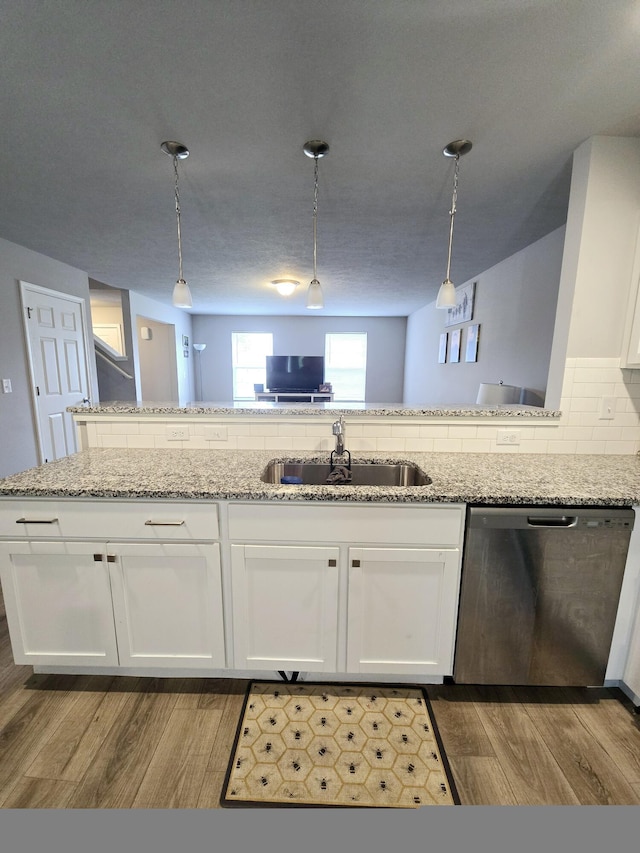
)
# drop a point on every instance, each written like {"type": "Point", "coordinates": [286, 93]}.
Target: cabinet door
{"type": "Point", "coordinates": [58, 602]}
{"type": "Point", "coordinates": [167, 601]}
{"type": "Point", "coordinates": [285, 607]}
{"type": "Point", "coordinates": [402, 610]}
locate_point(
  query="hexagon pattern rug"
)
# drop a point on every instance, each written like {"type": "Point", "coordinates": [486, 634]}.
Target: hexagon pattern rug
{"type": "Point", "coordinates": [326, 745]}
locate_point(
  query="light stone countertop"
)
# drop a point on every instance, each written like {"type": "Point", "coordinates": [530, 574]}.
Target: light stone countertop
{"type": "Point", "coordinates": [485, 478]}
{"type": "Point", "coordinates": [298, 409]}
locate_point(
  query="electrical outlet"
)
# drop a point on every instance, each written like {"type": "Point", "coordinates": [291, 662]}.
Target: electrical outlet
{"type": "Point", "coordinates": [6, 386]}
{"type": "Point", "coordinates": [607, 408]}
{"type": "Point", "coordinates": [212, 432]}
{"type": "Point", "coordinates": [508, 436]}
{"type": "Point", "coordinates": [177, 433]}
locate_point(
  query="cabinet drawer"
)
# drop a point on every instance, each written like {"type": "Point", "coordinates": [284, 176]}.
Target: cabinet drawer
{"type": "Point", "coordinates": [438, 525]}
{"type": "Point", "coordinates": [105, 519]}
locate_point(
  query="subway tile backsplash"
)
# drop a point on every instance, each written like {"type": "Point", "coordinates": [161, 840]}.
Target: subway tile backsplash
{"type": "Point", "coordinates": [580, 429]}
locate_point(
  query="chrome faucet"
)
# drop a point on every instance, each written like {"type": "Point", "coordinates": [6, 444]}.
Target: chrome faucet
{"type": "Point", "coordinates": [338, 431]}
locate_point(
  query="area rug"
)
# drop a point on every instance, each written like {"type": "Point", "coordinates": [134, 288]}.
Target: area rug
{"type": "Point", "coordinates": [326, 745]}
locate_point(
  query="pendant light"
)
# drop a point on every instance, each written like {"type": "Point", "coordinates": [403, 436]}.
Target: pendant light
{"type": "Point", "coordinates": [181, 293]}
{"type": "Point", "coordinates": [447, 293]}
{"type": "Point", "coordinates": [315, 148]}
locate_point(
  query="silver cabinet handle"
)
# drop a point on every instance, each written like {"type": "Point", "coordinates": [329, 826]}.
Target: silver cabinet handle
{"type": "Point", "coordinates": [164, 523]}
{"type": "Point", "coordinates": [36, 520]}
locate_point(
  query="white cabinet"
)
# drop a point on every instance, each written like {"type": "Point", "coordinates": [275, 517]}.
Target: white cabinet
{"type": "Point", "coordinates": [402, 610]}
{"type": "Point", "coordinates": [114, 583]}
{"type": "Point", "coordinates": [285, 607]}
{"type": "Point", "coordinates": [368, 589]}
{"type": "Point", "coordinates": [167, 604]}
{"type": "Point", "coordinates": [58, 602]}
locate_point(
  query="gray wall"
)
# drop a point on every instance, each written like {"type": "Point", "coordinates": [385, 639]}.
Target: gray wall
{"type": "Point", "coordinates": [304, 336]}
{"type": "Point", "coordinates": [19, 447]}
{"type": "Point", "coordinates": [515, 305]}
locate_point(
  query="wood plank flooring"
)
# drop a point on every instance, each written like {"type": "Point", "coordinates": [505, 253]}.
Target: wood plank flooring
{"type": "Point", "coordinates": [100, 742]}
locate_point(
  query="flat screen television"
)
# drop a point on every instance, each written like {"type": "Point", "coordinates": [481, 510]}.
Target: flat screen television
{"type": "Point", "coordinates": [295, 373]}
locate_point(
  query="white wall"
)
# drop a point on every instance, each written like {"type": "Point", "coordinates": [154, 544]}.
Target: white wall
{"type": "Point", "coordinates": [515, 305]}
{"type": "Point", "coordinates": [304, 336]}
{"type": "Point", "coordinates": [602, 224]}
{"type": "Point", "coordinates": [18, 449]}
{"type": "Point", "coordinates": [142, 306]}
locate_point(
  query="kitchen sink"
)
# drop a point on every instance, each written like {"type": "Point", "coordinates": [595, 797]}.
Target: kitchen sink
{"type": "Point", "coordinates": [362, 473]}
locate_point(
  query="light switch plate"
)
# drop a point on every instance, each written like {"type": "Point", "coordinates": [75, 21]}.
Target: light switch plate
{"type": "Point", "coordinates": [6, 386]}
{"type": "Point", "coordinates": [607, 408]}
{"type": "Point", "coordinates": [214, 432]}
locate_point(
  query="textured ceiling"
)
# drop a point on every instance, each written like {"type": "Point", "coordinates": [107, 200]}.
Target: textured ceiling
{"type": "Point", "coordinates": [90, 88]}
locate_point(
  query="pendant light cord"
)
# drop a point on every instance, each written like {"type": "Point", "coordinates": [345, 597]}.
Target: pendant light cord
{"type": "Point", "coordinates": [177, 194]}
{"type": "Point", "coordinates": [315, 219]}
{"type": "Point", "coordinates": [452, 214]}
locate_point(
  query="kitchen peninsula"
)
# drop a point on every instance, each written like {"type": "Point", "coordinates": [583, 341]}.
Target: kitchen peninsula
{"type": "Point", "coordinates": [173, 555]}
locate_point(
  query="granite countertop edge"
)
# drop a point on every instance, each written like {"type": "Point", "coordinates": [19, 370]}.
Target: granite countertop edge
{"type": "Point", "coordinates": [474, 478]}
{"type": "Point", "coordinates": [301, 409]}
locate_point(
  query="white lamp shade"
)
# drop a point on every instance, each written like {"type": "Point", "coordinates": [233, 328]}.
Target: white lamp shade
{"type": "Point", "coordinates": [182, 294]}
{"type": "Point", "coordinates": [314, 295]}
{"type": "Point", "coordinates": [446, 295]}
{"type": "Point", "coordinates": [497, 394]}
{"type": "Point", "coordinates": [285, 286]}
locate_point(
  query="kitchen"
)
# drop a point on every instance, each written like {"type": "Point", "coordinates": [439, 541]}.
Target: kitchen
{"type": "Point", "coordinates": [573, 352]}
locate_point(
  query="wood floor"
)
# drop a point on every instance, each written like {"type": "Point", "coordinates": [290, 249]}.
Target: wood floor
{"type": "Point", "coordinates": [101, 742]}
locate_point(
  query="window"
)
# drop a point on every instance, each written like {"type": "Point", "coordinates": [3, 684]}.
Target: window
{"type": "Point", "coordinates": [345, 364]}
{"type": "Point", "coordinates": [248, 359]}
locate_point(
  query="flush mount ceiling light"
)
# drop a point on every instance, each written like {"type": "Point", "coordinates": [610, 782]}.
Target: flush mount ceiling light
{"type": "Point", "coordinates": [447, 293]}
{"type": "Point", "coordinates": [181, 293]}
{"type": "Point", "coordinates": [285, 286]}
{"type": "Point", "coordinates": [315, 148]}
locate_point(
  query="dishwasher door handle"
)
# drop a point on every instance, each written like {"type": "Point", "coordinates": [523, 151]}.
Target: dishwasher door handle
{"type": "Point", "coordinates": [552, 520]}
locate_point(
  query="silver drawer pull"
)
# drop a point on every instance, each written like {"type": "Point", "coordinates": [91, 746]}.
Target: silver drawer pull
{"type": "Point", "coordinates": [36, 520]}
{"type": "Point", "coordinates": [164, 523]}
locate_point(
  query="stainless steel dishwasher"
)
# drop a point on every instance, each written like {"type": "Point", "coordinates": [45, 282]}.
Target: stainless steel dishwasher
{"type": "Point", "coordinates": [539, 594]}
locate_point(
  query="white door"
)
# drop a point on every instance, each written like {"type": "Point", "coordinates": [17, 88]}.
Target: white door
{"type": "Point", "coordinates": [55, 332]}
{"type": "Point", "coordinates": [285, 607]}
{"type": "Point", "coordinates": [402, 610]}
{"type": "Point", "coordinates": [167, 602]}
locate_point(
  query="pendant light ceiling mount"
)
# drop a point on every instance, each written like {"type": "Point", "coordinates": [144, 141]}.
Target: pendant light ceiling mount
{"type": "Point", "coordinates": [181, 293]}
{"type": "Point", "coordinates": [317, 149]}
{"type": "Point", "coordinates": [447, 294]}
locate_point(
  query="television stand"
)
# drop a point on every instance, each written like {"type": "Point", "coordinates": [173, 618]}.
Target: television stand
{"type": "Point", "coordinates": [295, 397]}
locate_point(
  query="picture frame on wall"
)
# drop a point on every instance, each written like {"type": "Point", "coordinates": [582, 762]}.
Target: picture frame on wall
{"type": "Point", "coordinates": [471, 351]}
{"type": "Point", "coordinates": [442, 351]}
{"type": "Point", "coordinates": [454, 351]}
{"type": "Point", "coordinates": [185, 340]}
{"type": "Point", "coordinates": [463, 312]}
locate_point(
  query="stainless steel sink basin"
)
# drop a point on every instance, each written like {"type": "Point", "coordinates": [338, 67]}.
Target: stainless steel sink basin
{"type": "Point", "coordinates": [362, 473]}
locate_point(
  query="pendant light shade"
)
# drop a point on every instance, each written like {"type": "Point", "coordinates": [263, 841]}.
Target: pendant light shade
{"type": "Point", "coordinates": [315, 148]}
{"type": "Point", "coordinates": [314, 295]}
{"type": "Point", "coordinates": [181, 294]}
{"type": "Point", "coordinates": [447, 294]}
